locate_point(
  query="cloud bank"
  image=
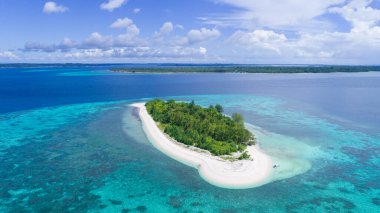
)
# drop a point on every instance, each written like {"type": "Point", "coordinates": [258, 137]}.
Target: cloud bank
{"type": "Point", "coordinates": [260, 31]}
{"type": "Point", "coordinates": [52, 7]}
{"type": "Point", "coordinates": [111, 5]}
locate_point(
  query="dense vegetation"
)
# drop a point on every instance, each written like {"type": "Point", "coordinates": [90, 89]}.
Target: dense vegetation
{"type": "Point", "coordinates": [205, 128]}
{"type": "Point", "coordinates": [245, 69]}
{"type": "Point", "coordinates": [204, 68]}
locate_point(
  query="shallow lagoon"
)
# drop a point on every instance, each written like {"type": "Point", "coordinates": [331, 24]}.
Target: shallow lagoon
{"type": "Point", "coordinates": [70, 142]}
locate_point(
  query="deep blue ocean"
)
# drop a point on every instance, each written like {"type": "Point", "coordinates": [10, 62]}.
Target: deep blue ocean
{"type": "Point", "coordinates": [69, 142]}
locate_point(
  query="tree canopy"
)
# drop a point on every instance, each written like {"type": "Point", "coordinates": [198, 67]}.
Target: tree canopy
{"type": "Point", "coordinates": [205, 128]}
{"type": "Point", "coordinates": [219, 108]}
{"type": "Point", "coordinates": [238, 118]}
{"type": "Point", "coordinates": [228, 68]}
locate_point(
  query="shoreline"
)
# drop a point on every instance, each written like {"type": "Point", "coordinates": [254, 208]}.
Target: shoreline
{"type": "Point", "coordinates": [240, 174]}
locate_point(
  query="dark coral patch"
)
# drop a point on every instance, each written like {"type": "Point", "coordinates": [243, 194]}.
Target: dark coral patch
{"type": "Point", "coordinates": [115, 202]}
{"type": "Point", "coordinates": [141, 208]}
{"type": "Point", "coordinates": [195, 204]}
{"type": "Point", "coordinates": [227, 211]}
{"type": "Point", "coordinates": [344, 190]}
{"type": "Point", "coordinates": [102, 206]}
{"type": "Point", "coordinates": [175, 202]}
{"type": "Point", "coordinates": [376, 201]}
{"type": "Point", "coordinates": [322, 204]}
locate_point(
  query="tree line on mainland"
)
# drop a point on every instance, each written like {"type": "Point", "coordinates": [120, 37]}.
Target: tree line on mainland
{"type": "Point", "coordinates": [246, 69]}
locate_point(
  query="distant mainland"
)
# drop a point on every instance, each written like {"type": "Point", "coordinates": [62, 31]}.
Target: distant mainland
{"type": "Point", "coordinates": [206, 68]}
{"type": "Point", "coordinates": [212, 68]}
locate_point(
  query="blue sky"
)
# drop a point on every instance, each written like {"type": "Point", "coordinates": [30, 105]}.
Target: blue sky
{"type": "Point", "coordinates": [191, 31]}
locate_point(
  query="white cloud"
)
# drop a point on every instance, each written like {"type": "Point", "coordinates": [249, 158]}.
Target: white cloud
{"type": "Point", "coordinates": [142, 52]}
{"type": "Point", "coordinates": [8, 55]}
{"type": "Point", "coordinates": [96, 40]}
{"type": "Point", "coordinates": [91, 53]}
{"type": "Point", "coordinates": [197, 36]}
{"type": "Point", "coordinates": [262, 46]}
{"type": "Point", "coordinates": [165, 29]}
{"type": "Point", "coordinates": [180, 26]}
{"type": "Point", "coordinates": [265, 32]}
{"type": "Point", "coordinates": [122, 23]}
{"type": "Point", "coordinates": [360, 44]}
{"type": "Point", "coordinates": [265, 39]}
{"type": "Point", "coordinates": [68, 43]}
{"type": "Point", "coordinates": [136, 10]}
{"type": "Point", "coordinates": [354, 45]}
{"type": "Point", "coordinates": [110, 5]}
{"type": "Point", "coordinates": [132, 31]}
{"type": "Point", "coordinates": [127, 39]}
{"type": "Point", "coordinates": [359, 14]}
{"type": "Point", "coordinates": [65, 45]}
{"type": "Point", "coordinates": [52, 7]}
{"type": "Point", "coordinates": [202, 50]}
{"type": "Point", "coordinates": [284, 14]}
{"type": "Point", "coordinates": [258, 37]}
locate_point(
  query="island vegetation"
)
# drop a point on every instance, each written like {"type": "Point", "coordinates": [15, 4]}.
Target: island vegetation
{"type": "Point", "coordinates": [226, 68]}
{"type": "Point", "coordinates": [205, 128]}
{"type": "Point", "coordinates": [205, 68]}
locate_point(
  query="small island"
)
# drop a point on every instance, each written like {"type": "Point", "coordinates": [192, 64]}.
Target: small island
{"type": "Point", "coordinates": [205, 128]}
{"type": "Point", "coordinates": [225, 153]}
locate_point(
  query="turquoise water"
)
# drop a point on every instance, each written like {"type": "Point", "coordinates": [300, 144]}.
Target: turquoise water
{"type": "Point", "coordinates": [94, 157]}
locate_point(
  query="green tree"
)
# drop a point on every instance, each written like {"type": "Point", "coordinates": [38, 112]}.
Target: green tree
{"type": "Point", "coordinates": [238, 118]}
{"type": "Point", "coordinates": [244, 155]}
{"type": "Point", "coordinates": [219, 108]}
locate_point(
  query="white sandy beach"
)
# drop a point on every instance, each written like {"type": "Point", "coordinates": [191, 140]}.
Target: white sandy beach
{"type": "Point", "coordinates": [235, 175]}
